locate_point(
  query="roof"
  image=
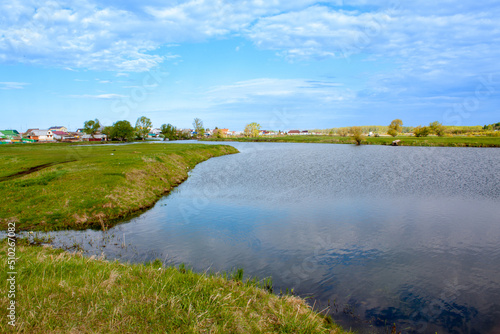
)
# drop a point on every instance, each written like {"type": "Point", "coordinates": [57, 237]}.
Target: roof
{"type": "Point", "coordinates": [40, 132]}
{"type": "Point", "coordinates": [60, 133]}
{"type": "Point", "coordinates": [294, 131]}
{"type": "Point", "coordinates": [56, 127]}
{"type": "Point", "coordinates": [10, 132]}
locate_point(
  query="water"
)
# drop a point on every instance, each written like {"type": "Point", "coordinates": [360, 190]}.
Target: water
{"type": "Point", "coordinates": [374, 235]}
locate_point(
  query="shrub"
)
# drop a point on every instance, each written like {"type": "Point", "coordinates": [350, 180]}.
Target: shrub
{"type": "Point", "coordinates": [420, 131]}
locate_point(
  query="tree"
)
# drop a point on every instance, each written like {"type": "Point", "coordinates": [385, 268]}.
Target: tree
{"type": "Point", "coordinates": [168, 131]}
{"type": "Point", "coordinates": [198, 127]}
{"type": "Point", "coordinates": [123, 130]}
{"type": "Point", "coordinates": [252, 129]}
{"type": "Point", "coordinates": [356, 134]}
{"type": "Point", "coordinates": [91, 127]}
{"type": "Point", "coordinates": [395, 127]}
{"type": "Point", "coordinates": [142, 127]}
{"type": "Point", "coordinates": [421, 131]}
{"type": "Point", "coordinates": [437, 128]}
{"type": "Point", "coordinates": [108, 131]}
{"type": "Point", "coordinates": [342, 132]}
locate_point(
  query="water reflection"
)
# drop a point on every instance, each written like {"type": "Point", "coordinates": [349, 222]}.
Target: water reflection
{"type": "Point", "coordinates": [380, 235]}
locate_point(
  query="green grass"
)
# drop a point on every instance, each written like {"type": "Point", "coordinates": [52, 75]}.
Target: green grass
{"type": "Point", "coordinates": [58, 292]}
{"type": "Point", "coordinates": [454, 141]}
{"type": "Point", "coordinates": [62, 186]}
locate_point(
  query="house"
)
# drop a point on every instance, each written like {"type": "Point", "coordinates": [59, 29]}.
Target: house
{"type": "Point", "coordinates": [62, 135]}
{"type": "Point", "coordinates": [58, 128]}
{"type": "Point", "coordinates": [305, 132]}
{"type": "Point", "coordinates": [40, 135]}
{"type": "Point", "coordinates": [294, 132]}
{"type": "Point", "coordinates": [97, 137]}
{"type": "Point", "coordinates": [9, 134]}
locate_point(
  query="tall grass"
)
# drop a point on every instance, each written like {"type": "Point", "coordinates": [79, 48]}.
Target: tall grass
{"type": "Point", "coordinates": [58, 292]}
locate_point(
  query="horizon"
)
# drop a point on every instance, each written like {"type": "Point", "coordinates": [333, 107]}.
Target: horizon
{"type": "Point", "coordinates": [299, 65]}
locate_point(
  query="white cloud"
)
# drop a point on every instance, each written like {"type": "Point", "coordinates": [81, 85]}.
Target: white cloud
{"type": "Point", "coordinates": [99, 96]}
{"type": "Point", "coordinates": [259, 91]}
{"type": "Point", "coordinates": [13, 85]}
{"type": "Point", "coordinates": [426, 38]}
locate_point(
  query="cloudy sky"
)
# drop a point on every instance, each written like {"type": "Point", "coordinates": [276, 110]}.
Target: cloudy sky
{"type": "Point", "coordinates": [285, 64]}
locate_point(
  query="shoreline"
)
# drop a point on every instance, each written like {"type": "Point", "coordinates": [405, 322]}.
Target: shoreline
{"type": "Point", "coordinates": [431, 141]}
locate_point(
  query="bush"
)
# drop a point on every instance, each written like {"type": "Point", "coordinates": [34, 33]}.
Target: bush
{"type": "Point", "coordinates": [420, 131]}
{"type": "Point", "coordinates": [392, 132]}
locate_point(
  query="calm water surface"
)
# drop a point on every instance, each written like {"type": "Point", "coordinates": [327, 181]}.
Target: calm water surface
{"type": "Point", "coordinates": [380, 235]}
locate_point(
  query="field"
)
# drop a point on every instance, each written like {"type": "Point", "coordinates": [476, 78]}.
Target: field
{"type": "Point", "coordinates": [61, 186]}
{"type": "Point", "coordinates": [454, 141]}
{"type": "Point", "coordinates": [58, 292]}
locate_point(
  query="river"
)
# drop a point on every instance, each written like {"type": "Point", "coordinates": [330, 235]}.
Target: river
{"type": "Point", "coordinates": [374, 235]}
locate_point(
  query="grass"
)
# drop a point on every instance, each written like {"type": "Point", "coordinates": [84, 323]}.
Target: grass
{"type": "Point", "coordinates": [62, 186]}
{"type": "Point", "coordinates": [454, 141]}
{"type": "Point", "coordinates": [59, 292]}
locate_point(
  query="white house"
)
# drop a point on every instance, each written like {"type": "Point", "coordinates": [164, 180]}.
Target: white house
{"type": "Point", "coordinates": [41, 135]}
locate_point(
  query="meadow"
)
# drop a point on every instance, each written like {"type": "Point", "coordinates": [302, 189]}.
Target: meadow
{"type": "Point", "coordinates": [61, 186]}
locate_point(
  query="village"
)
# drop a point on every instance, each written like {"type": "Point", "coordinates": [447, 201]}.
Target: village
{"type": "Point", "coordinates": [62, 134]}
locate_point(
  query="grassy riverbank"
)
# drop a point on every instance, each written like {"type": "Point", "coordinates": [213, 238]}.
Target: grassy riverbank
{"type": "Point", "coordinates": [58, 292]}
{"type": "Point", "coordinates": [61, 186]}
{"type": "Point", "coordinates": [454, 141]}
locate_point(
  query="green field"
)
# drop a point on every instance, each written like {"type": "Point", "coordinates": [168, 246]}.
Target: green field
{"type": "Point", "coordinates": [58, 292]}
{"type": "Point", "coordinates": [454, 141]}
{"type": "Point", "coordinates": [61, 186]}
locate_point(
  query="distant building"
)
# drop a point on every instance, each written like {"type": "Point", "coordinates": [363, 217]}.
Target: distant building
{"type": "Point", "coordinates": [40, 135]}
{"type": "Point", "coordinates": [9, 134]}
{"type": "Point", "coordinates": [294, 132]}
{"type": "Point", "coordinates": [97, 137]}
{"type": "Point", "coordinates": [58, 128]}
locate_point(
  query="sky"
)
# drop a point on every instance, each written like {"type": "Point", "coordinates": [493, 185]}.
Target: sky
{"type": "Point", "coordinates": [295, 64]}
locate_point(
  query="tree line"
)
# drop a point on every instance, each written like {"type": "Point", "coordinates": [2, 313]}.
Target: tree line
{"type": "Point", "coordinates": [124, 131]}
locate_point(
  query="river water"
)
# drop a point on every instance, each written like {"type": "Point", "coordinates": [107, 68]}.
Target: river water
{"type": "Point", "coordinates": [374, 235]}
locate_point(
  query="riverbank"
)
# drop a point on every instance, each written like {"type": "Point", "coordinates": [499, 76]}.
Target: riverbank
{"type": "Point", "coordinates": [62, 186]}
{"type": "Point", "coordinates": [59, 292]}
{"type": "Point", "coordinates": [454, 141]}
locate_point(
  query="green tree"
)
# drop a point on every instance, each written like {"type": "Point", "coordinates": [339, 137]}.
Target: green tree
{"type": "Point", "coordinates": [142, 127]}
{"type": "Point", "coordinates": [437, 128]}
{"type": "Point", "coordinates": [91, 127]}
{"type": "Point", "coordinates": [108, 131]}
{"type": "Point", "coordinates": [123, 130]}
{"type": "Point", "coordinates": [168, 131]}
{"type": "Point", "coordinates": [421, 131]}
{"type": "Point", "coordinates": [395, 127]}
{"type": "Point", "coordinates": [356, 134]}
{"type": "Point", "coordinates": [252, 129]}
{"type": "Point", "coordinates": [198, 127]}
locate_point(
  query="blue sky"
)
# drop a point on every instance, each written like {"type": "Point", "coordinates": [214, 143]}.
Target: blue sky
{"type": "Point", "coordinates": [295, 64]}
